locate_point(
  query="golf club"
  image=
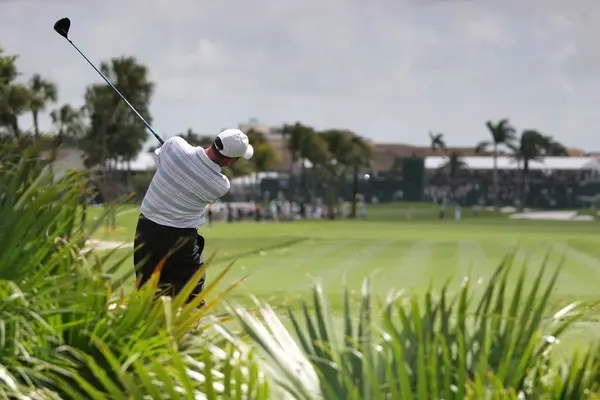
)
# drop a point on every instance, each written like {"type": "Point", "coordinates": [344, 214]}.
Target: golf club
{"type": "Point", "coordinates": [62, 28]}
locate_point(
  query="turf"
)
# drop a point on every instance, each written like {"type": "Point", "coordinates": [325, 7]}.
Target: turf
{"type": "Point", "coordinates": [282, 260]}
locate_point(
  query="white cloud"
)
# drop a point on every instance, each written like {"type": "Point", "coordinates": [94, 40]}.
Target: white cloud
{"type": "Point", "coordinates": [487, 31]}
{"type": "Point", "coordinates": [389, 70]}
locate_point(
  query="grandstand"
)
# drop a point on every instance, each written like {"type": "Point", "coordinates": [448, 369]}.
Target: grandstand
{"type": "Point", "coordinates": [590, 164]}
{"type": "Point", "coordinates": [551, 182]}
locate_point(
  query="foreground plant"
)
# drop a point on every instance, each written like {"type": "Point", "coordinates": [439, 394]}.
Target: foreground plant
{"type": "Point", "coordinates": [69, 330]}
{"type": "Point", "coordinates": [496, 345]}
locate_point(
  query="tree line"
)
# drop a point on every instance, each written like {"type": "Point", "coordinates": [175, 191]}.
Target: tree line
{"type": "Point", "coordinates": [109, 134]}
{"type": "Point", "coordinates": [101, 127]}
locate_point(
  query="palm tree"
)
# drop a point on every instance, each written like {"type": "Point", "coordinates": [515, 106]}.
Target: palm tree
{"type": "Point", "coordinates": [292, 136]}
{"type": "Point", "coordinates": [437, 141]}
{"type": "Point", "coordinates": [299, 140]}
{"type": "Point", "coordinates": [14, 97]}
{"type": "Point", "coordinates": [482, 149]}
{"type": "Point", "coordinates": [116, 134]}
{"type": "Point", "coordinates": [265, 156]}
{"type": "Point", "coordinates": [68, 124]}
{"type": "Point", "coordinates": [310, 152]}
{"type": "Point", "coordinates": [42, 92]}
{"type": "Point", "coordinates": [552, 148]}
{"type": "Point", "coordinates": [340, 148]}
{"type": "Point", "coordinates": [502, 134]}
{"type": "Point", "coordinates": [14, 102]}
{"type": "Point", "coordinates": [8, 68]}
{"type": "Point", "coordinates": [359, 157]}
{"type": "Point", "coordinates": [453, 167]}
{"type": "Point", "coordinates": [318, 155]}
{"type": "Point", "coordinates": [530, 147]}
{"type": "Point", "coordinates": [128, 135]}
{"type": "Point", "coordinates": [264, 159]}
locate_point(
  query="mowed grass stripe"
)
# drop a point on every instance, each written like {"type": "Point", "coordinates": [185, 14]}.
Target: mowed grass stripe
{"type": "Point", "coordinates": [406, 269]}
{"type": "Point", "coordinates": [227, 249]}
{"type": "Point", "coordinates": [533, 255]}
{"type": "Point", "coordinates": [496, 250]}
{"type": "Point", "coordinates": [360, 254]}
{"type": "Point", "coordinates": [580, 274]}
{"type": "Point", "coordinates": [320, 255]}
{"type": "Point", "coordinates": [381, 262]}
{"type": "Point", "coordinates": [473, 264]}
{"type": "Point", "coordinates": [281, 270]}
{"type": "Point", "coordinates": [489, 256]}
{"type": "Point", "coordinates": [467, 260]}
{"type": "Point", "coordinates": [589, 264]}
{"type": "Point", "coordinates": [494, 253]}
{"type": "Point", "coordinates": [442, 264]}
{"type": "Point", "coordinates": [383, 268]}
{"type": "Point", "coordinates": [590, 247]}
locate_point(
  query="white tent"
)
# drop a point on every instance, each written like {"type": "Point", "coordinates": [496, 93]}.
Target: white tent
{"type": "Point", "coordinates": [254, 178]}
{"type": "Point", "coordinates": [509, 163]}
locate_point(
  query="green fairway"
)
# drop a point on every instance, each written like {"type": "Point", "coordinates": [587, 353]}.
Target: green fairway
{"type": "Point", "coordinates": [282, 260]}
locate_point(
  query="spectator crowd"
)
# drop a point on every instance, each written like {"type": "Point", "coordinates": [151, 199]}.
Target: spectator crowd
{"type": "Point", "coordinates": [279, 210]}
{"type": "Point", "coordinates": [542, 189]}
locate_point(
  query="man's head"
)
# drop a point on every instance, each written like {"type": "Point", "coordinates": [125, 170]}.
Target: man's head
{"type": "Point", "coordinates": [229, 146]}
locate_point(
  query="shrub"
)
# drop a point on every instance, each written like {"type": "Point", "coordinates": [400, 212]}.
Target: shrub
{"type": "Point", "coordinates": [498, 345]}
{"type": "Point", "coordinates": [70, 330]}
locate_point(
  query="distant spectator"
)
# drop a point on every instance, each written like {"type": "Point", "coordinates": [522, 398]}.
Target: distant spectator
{"type": "Point", "coordinates": [209, 214]}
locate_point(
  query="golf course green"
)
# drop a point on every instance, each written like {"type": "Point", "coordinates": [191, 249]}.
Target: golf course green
{"type": "Point", "coordinates": [280, 261]}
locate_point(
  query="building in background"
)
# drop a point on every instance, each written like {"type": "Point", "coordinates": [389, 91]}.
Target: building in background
{"type": "Point", "coordinates": [385, 155]}
{"type": "Point", "coordinates": [275, 136]}
{"type": "Point", "coordinates": [255, 125]}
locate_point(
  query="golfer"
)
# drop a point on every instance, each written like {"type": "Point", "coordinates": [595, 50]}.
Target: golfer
{"type": "Point", "coordinates": [187, 180]}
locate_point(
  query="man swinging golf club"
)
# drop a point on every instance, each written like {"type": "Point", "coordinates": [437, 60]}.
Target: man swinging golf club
{"type": "Point", "coordinates": [187, 179]}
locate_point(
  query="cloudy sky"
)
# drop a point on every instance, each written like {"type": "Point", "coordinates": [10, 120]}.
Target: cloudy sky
{"type": "Point", "coordinates": [389, 70]}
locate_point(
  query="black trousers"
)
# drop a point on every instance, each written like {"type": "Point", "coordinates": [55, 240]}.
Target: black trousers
{"type": "Point", "coordinates": [153, 242]}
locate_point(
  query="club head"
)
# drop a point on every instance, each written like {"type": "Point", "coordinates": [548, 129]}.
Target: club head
{"type": "Point", "coordinates": [62, 27]}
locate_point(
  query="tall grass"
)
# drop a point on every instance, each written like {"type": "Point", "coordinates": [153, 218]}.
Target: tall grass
{"type": "Point", "coordinates": [69, 331]}
{"type": "Point", "coordinates": [429, 347]}
{"type": "Point", "coordinates": [66, 328]}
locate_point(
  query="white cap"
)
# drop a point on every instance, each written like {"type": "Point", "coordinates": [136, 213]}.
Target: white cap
{"type": "Point", "coordinates": [235, 144]}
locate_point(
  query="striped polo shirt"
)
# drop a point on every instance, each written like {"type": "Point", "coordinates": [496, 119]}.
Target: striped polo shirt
{"type": "Point", "coordinates": [185, 182]}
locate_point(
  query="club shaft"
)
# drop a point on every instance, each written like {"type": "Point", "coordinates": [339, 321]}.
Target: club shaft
{"type": "Point", "coordinates": [132, 108]}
